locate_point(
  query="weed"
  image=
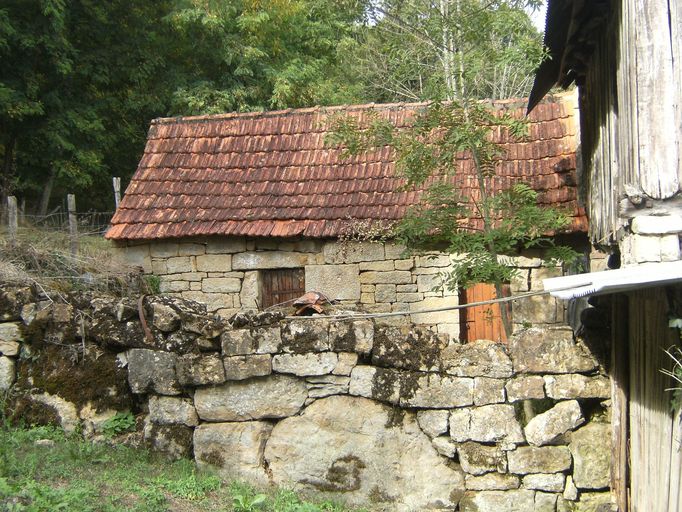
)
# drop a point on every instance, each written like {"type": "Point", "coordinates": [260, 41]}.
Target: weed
{"type": "Point", "coordinates": [119, 423]}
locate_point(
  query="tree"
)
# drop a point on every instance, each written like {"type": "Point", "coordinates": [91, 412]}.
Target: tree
{"type": "Point", "coordinates": [414, 50]}
{"type": "Point", "coordinates": [480, 228]}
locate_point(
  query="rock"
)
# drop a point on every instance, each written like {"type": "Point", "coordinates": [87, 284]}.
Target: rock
{"type": "Point", "coordinates": [477, 459]}
{"type": "Point", "coordinates": [537, 350]}
{"type": "Point", "coordinates": [547, 427]}
{"type": "Point", "coordinates": [347, 361]}
{"type": "Point", "coordinates": [408, 347]}
{"type": "Point", "coordinates": [492, 482]}
{"type": "Point", "coordinates": [275, 396]}
{"type": "Point", "coordinates": [245, 367]}
{"type": "Point", "coordinates": [255, 318]}
{"type": "Point", "coordinates": [570, 491]}
{"type": "Point", "coordinates": [9, 348]}
{"type": "Point", "coordinates": [434, 422]}
{"type": "Point", "coordinates": [152, 371]}
{"type": "Point", "coordinates": [432, 391]}
{"type": "Point", "coordinates": [166, 410]}
{"type": "Point", "coordinates": [486, 424]}
{"type": "Point", "coordinates": [165, 317]}
{"type": "Point", "coordinates": [545, 502]}
{"type": "Point", "coordinates": [544, 482]}
{"type": "Point", "coordinates": [65, 411]}
{"type": "Point", "coordinates": [237, 343]}
{"type": "Point", "coordinates": [235, 449]}
{"type": "Point", "coordinates": [173, 440]}
{"type": "Point", "coordinates": [525, 388]}
{"type": "Point", "coordinates": [200, 370]}
{"type": "Point", "coordinates": [479, 358]}
{"type": "Point", "coordinates": [301, 336]}
{"type": "Point", "coordinates": [10, 332]}
{"type": "Point", "coordinates": [445, 446]}
{"type": "Point", "coordinates": [327, 385]}
{"type": "Point", "coordinates": [125, 309]}
{"type": "Point", "coordinates": [110, 333]}
{"type": "Point", "coordinates": [592, 502]}
{"type": "Point", "coordinates": [352, 252]}
{"type": "Point", "coordinates": [546, 459]}
{"type": "Point", "coordinates": [379, 383]}
{"type": "Point", "coordinates": [334, 281]}
{"type": "Point", "coordinates": [520, 500]}
{"type": "Point", "coordinates": [577, 386]}
{"type": "Point", "coordinates": [268, 339]}
{"type": "Point", "coordinates": [591, 450]}
{"type": "Point", "coordinates": [12, 299]}
{"type": "Point", "coordinates": [359, 449]}
{"type": "Point", "coordinates": [488, 391]}
{"type": "Point", "coordinates": [305, 364]}
{"type": "Point", "coordinates": [352, 336]}
{"type": "Point", "coordinates": [93, 422]}
{"type": "Point", "coordinates": [7, 373]}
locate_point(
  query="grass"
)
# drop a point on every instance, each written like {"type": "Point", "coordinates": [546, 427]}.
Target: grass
{"type": "Point", "coordinates": [42, 469]}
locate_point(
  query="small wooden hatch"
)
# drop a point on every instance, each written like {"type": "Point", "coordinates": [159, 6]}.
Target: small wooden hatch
{"type": "Point", "coordinates": [282, 284]}
{"type": "Point", "coordinates": [482, 322]}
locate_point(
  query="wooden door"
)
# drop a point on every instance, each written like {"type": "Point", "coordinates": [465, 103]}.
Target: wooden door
{"type": "Point", "coordinates": [482, 322]}
{"type": "Point", "coordinates": [281, 285]}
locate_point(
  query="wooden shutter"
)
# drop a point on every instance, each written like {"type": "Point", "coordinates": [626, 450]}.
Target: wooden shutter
{"type": "Point", "coordinates": [482, 322]}
{"type": "Point", "coordinates": [281, 285]}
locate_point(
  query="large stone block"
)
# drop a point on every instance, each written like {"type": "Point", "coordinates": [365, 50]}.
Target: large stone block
{"type": "Point", "coordinates": [488, 391]}
{"type": "Point", "coordinates": [10, 332]}
{"type": "Point", "coordinates": [221, 285]}
{"type": "Point", "coordinates": [486, 424]}
{"type": "Point", "coordinates": [164, 249]}
{"type": "Point", "coordinates": [577, 386]}
{"type": "Point", "coordinates": [225, 245]}
{"type": "Point", "coordinates": [492, 482]}
{"type": "Point", "coordinates": [214, 263]}
{"type": "Point", "coordinates": [657, 224]}
{"type": "Point", "coordinates": [538, 309]}
{"type": "Point", "coordinates": [433, 391]}
{"type": "Point", "coordinates": [545, 459]}
{"type": "Point", "coordinates": [520, 500]}
{"type": "Point", "coordinates": [438, 317]}
{"type": "Point", "coordinates": [408, 347]}
{"type": "Point", "coordinates": [362, 451]}
{"type": "Point", "coordinates": [434, 422]}
{"type": "Point", "coordinates": [301, 336]}
{"type": "Point", "coordinates": [394, 277]}
{"type": "Point", "coordinates": [200, 370]}
{"type": "Point", "coordinates": [180, 264]}
{"type": "Point", "coordinates": [8, 373]}
{"type": "Point", "coordinates": [591, 450]}
{"type": "Point", "coordinates": [385, 293]}
{"type": "Point", "coordinates": [235, 449]}
{"type": "Point", "coordinates": [547, 427]}
{"type": "Point", "coordinates": [481, 358]}
{"type": "Point", "coordinates": [525, 388]}
{"type": "Point", "coordinates": [9, 348]}
{"type": "Point", "coordinates": [276, 396]}
{"type": "Point", "coordinates": [478, 459]}
{"type": "Point", "coordinates": [379, 383]}
{"type": "Point", "coordinates": [249, 296]}
{"type": "Point", "coordinates": [318, 363]}
{"type": "Point", "coordinates": [550, 350]}
{"type": "Point", "coordinates": [168, 410]}
{"type": "Point", "coordinates": [165, 317]}
{"type": "Point", "coordinates": [152, 371]}
{"type": "Point", "coordinates": [263, 260]}
{"type": "Point", "coordinates": [334, 281]}
{"type": "Point", "coordinates": [327, 385]}
{"type": "Point", "coordinates": [353, 252]}
{"type": "Point", "coordinates": [352, 336]}
{"type": "Point", "coordinates": [245, 367]}
{"type": "Point", "coordinates": [553, 482]}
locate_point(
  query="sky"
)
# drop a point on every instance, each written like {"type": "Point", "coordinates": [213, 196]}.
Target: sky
{"type": "Point", "coordinates": [538, 17]}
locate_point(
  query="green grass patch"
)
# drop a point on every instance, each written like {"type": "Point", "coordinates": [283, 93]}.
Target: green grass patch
{"type": "Point", "coordinates": [42, 469]}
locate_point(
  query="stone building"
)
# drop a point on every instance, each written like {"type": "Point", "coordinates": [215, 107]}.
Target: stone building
{"type": "Point", "coordinates": [244, 211]}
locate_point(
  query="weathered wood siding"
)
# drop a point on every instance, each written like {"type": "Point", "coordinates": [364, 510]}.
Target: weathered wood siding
{"type": "Point", "coordinates": [632, 112]}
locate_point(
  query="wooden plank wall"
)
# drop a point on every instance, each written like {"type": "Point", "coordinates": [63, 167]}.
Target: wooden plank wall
{"type": "Point", "coordinates": [631, 111]}
{"type": "Point", "coordinates": [655, 442]}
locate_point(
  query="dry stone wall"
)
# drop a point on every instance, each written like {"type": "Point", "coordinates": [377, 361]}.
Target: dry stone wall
{"type": "Point", "coordinates": [376, 277]}
{"type": "Point", "coordinates": [390, 417]}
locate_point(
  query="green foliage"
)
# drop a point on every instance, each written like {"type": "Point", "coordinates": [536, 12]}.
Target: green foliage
{"type": "Point", "coordinates": [152, 284]}
{"type": "Point", "coordinates": [118, 424]}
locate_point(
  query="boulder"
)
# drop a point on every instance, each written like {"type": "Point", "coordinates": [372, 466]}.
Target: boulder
{"type": "Point", "coordinates": [577, 386]}
{"type": "Point", "coordinates": [482, 357]}
{"type": "Point", "coordinates": [547, 427]}
{"type": "Point", "coordinates": [433, 391]}
{"type": "Point", "coordinates": [478, 459]}
{"type": "Point", "coordinates": [549, 350]}
{"type": "Point", "coordinates": [362, 451]}
{"type": "Point", "coordinates": [173, 440]}
{"type": "Point", "coordinates": [486, 424]}
{"type": "Point", "coordinates": [12, 299]}
{"type": "Point", "coordinates": [235, 449]}
{"type": "Point", "coordinates": [275, 396]}
{"type": "Point", "coordinates": [545, 459]}
{"type": "Point", "coordinates": [591, 450]}
{"type": "Point", "coordinates": [152, 371]}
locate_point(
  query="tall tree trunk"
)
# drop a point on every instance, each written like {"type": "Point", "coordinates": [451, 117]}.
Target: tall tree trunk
{"type": "Point", "coordinates": [47, 193]}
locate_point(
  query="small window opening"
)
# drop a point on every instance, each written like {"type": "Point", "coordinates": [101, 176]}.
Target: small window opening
{"type": "Point", "coordinates": [482, 322]}
{"type": "Point", "coordinates": [281, 285]}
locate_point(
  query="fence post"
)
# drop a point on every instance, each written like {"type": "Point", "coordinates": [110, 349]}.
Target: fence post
{"type": "Point", "coordinates": [117, 191]}
{"type": "Point", "coordinates": [12, 220]}
{"type": "Point", "coordinates": [73, 224]}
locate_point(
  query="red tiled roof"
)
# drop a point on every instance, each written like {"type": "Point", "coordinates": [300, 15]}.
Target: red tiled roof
{"type": "Point", "coordinates": [270, 174]}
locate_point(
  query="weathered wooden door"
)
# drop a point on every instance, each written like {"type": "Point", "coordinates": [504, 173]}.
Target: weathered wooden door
{"type": "Point", "coordinates": [281, 285]}
{"type": "Point", "coordinates": [481, 322]}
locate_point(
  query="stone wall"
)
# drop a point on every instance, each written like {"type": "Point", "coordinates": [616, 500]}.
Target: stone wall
{"type": "Point", "coordinates": [394, 417]}
{"type": "Point", "coordinates": [224, 274]}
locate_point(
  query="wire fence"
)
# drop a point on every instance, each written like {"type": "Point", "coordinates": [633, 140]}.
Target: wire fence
{"type": "Point", "coordinates": [88, 223]}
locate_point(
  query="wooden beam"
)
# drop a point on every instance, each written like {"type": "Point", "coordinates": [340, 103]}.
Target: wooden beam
{"type": "Point", "coordinates": [628, 210]}
{"type": "Point", "coordinates": [620, 478]}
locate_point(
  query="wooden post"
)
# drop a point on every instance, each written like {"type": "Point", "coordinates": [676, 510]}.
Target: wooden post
{"type": "Point", "coordinates": [12, 220]}
{"type": "Point", "coordinates": [73, 224]}
{"type": "Point", "coordinates": [620, 478]}
{"type": "Point", "coordinates": [117, 191]}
